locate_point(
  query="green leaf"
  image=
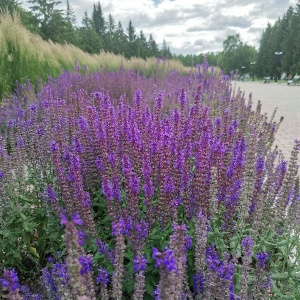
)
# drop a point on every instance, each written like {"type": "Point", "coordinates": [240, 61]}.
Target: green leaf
{"type": "Point", "coordinates": [149, 289]}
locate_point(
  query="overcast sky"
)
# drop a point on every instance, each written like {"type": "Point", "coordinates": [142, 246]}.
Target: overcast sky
{"type": "Point", "coordinates": [191, 26]}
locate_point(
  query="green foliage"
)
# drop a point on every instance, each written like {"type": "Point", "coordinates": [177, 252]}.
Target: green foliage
{"type": "Point", "coordinates": [236, 55]}
{"type": "Point", "coordinates": [283, 37]}
{"type": "Point", "coordinates": [30, 232]}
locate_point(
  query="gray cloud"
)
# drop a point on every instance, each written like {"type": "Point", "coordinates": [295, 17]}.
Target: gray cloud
{"type": "Point", "coordinates": [197, 26]}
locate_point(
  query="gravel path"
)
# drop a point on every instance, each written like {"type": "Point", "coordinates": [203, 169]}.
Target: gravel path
{"type": "Point", "coordinates": [287, 100]}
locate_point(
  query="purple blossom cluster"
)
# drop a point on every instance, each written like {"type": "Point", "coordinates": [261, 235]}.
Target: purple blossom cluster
{"type": "Point", "coordinates": [152, 153]}
{"type": "Point", "coordinates": [164, 259]}
{"type": "Point", "coordinates": [262, 258]}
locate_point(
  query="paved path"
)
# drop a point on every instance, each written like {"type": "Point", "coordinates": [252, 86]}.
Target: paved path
{"type": "Point", "coordinates": [287, 99]}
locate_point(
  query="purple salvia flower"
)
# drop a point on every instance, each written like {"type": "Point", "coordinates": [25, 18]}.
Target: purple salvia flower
{"type": "Point", "coordinates": [134, 183]}
{"type": "Point", "coordinates": [116, 188]}
{"type": "Point", "coordinates": [247, 245]}
{"type": "Point", "coordinates": [20, 142]}
{"type": "Point", "coordinates": [33, 107]}
{"type": "Point", "coordinates": [156, 293]}
{"type": "Point", "coordinates": [126, 165]}
{"type": "Point", "coordinates": [182, 99]}
{"type": "Point", "coordinates": [107, 189]}
{"type": "Point", "coordinates": [137, 98]}
{"type": "Point", "coordinates": [165, 259]}
{"type": "Point", "coordinates": [262, 258]}
{"type": "Point", "coordinates": [260, 164]}
{"type": "Point", "coordinates": [81, 237]}
{"type": "Point", "coordinates": [99, 164]}
{"type": "Point", "coordinates": [139, 264]}
{"type": "Point", "coordinates": [141, 229]}
{"type": "Point", "coordinates": [87, 202]}
{"type": "Point", "coordinates": [28, 295]}
{"type": "Point", "coordinates": [76, 220]}
{"type": "Point", "coordinates": [112, 158]}
{"type": "Point", "coordinates": [77, 147]}
{"type": "Point", "coordinates": [103, 277]}
{"type": "Point", "coordinates": [225, 271]}
{"type": "Point", "coordinates": [50, 193]}
{"type": "Point", "coordinates": [86, 264]}
{"type": "Point", "coordinates": [159, 102]}
{"type": "Point", "coordinates": [1, 174]}
{"type": "Point", "coordinates": [10, 280]}
{"type": "Point", "coordinates": [104, 250]}
{"type": "Point", "coordinates": [60, 270]}
{"type": "Point", "coordinates": [198, 282]}
{"type": "Point", "coordinates": [63, 219]}
{"type": "Point", "coordinates": [148, 188]}
{"type": "Point", "coordinates": [118, 228]}
{"type": "Point", "coordinates": [75, 162]}
{"type": "Point", "coordinates": [169, 184]}
{"type": "Point", "coordinates": [40, 131]}
{"type": "Point", "coordinates": [212, 259]}
{"type": "Point", "coordinates": [48, 281]}
{"type": "Point", "coordinates": [82, 123]}
{"type": "Point", "coordinates": [54, 146]}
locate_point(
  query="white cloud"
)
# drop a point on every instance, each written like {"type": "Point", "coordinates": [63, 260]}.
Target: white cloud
{"type": "Point", "coordinates": [191, 26]}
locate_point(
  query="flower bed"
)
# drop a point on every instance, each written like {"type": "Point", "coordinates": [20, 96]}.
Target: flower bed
{"type": "Point", "coordinates": [164, 187]}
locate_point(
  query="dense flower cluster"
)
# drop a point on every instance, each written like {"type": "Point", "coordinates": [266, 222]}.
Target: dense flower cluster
{"type": "Point", "coordinates": [123, 160]}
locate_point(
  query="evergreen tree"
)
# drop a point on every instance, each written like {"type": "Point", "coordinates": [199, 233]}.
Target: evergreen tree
{"type": "Point", "coordinates": [142, 46]}
{"type": "Point", "coordinates": [98, 19]}
{"type": "Point", "coordinates": [45, 11]}
{"type": "Point", "coordinates": [119, 40]}
{"type": "Point", "coordinates": [154, 52]}
{"type": "Point", "coordinates": [70, 21]}
{"type": "Point", "coordinates": [109, 35]}
{"type": "Point", "coordinates": [165, 51]}
{"type": "Point", "coordinates": [131, 41]}
{"type": "Point", "coordinates": [9, 6]}
{"type": "Point", "coordinates": [88, 39]}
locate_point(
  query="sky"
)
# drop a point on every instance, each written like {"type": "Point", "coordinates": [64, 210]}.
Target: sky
{"type": "Point", "coordinates": [191, 26]}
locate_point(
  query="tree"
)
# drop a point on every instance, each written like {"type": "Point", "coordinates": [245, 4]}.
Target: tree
{"type": "Point", "coordinates": [45, 11]}
{"type": "Point", "coordinates": [9, 6]}
{"type": "Point", "coordinates": [236, 55]}
{"type": "Point", "coordinates": [70, 21]}
{"type": "Point", "coordinates": [109, 35]}
{"type": "Point", "coordinates": [142, 46]}
{"type": "Point", "coordinates": [98, 19]}
{"type": "Point", "coordinates": [131, 39]}
{"type": "Point", "coordinates": [154, 52]}
{"type": "Point", "coordinates": [119, 40]}
{"type": "Point", "coordinates": [165, 51]}
{"type": "Point", "coordinates": [88, 39]}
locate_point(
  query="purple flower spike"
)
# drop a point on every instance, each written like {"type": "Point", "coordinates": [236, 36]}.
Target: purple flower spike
{"type": "Point", "coordinates": [63, 219]}
{"type": "Point", "coordinates": [165, 259]}
{"type": "Point", "coordinates": [10, 280]}
{"type": "Point", "coordinates": [199, 281]}
{"type": "Point", "coordinates": [103, 277]}
{"type": "Point", "coordinates": [86, 264]}
{"type": "Point", "coordinates": [82, 123]}
{"type": "Point", "coordinates": [50, 193]}
{"type": "Point", "coordinates": [262, 258]}
{"type": "Point", "coordinates": [54, 146]}
{"type": "Point", "coordinates": [77, 220]}
{"type": "Point", "coordinates": [247, 244]}
{"type": "Point", "coordinates": [139, 264]}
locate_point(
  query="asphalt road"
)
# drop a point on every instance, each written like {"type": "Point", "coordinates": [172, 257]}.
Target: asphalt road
{"type": "Point", "coordinates": [287, 100]}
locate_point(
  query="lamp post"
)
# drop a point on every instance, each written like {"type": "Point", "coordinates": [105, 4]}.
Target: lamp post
{"type": "Point", "coordinates": [277, 55]}
{"type": "Point", "coordinates": [253, 64]}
